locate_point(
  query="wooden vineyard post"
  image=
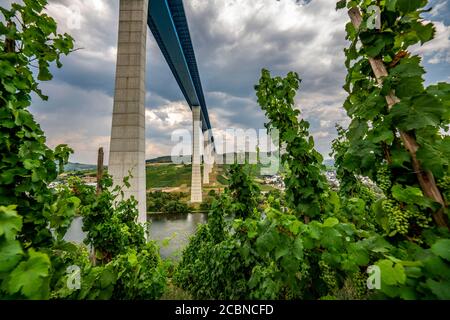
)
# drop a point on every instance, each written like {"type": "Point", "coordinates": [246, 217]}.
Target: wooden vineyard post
{"type": "Point", "coordinates": [99, 170]}
{"type": "Point", "coordinates": [425, 177]}
{"type": "Point", "coordinates": [10, 44]}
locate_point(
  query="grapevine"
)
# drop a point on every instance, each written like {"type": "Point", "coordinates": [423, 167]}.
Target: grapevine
{"type": "Point", "coordinates": [35, 217]}
{"type": "Point", "coordinates": [388, 101]}
{"type": "Point", "coordinates": [360, 283]}
{"type": "Point", "coordinates": [328, 276]}
{"type": "Point", "coordinates": [398, 218]}
{"type": "Point", "coordinates": [384, 179]}
{"type": "Point", "coordinates": [305, 242]}
{"type": "Point", "coordinates": [444, 184]}
{"type": "Point", "coordinates": [303, 162]}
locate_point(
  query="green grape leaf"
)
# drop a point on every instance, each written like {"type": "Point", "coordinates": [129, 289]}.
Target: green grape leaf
{"type": "Point", "coordinates": [298, 248]}
{"type": "Point", "coordinates": [295, 226]}
{"type": "Point", "coordinates": [432, 158]}
{"type": "Point", "coordinates": [441, 91]}
{"type": "Point", "coordinates": [407, 195]}
{"type": "Point", "coordinates": [132, 258]}
{"type": "Point", "coordinates": [407, 293]}
{"type": "Point", "coordinates": [11, 253]}
{"type": "Point", "coordinates": [341, 4]}
{"type": "Point", "coordinates": [407, 6]}
{"type": "Point", "coordinates": [281, 251]}
{"type": "Point", "coordinates": [440, 289]}
{"type": "Point", "coordinates": [358, 254]}
{"type": "Point", "coordinates": [425, 32]}
{"type": "Point", "coordinates": [30, 164]}
{"type": "Point", "coordinates": [330, 222]}
{"type": "Point", "coordinates": [9, 87]}
{"type": "Point", "coordinates": [6, 69]}
{"type": "Point", "coordinates": [417, 113]}
{"type": "Point", "coordinates": [44, 72]}
{"type": "Point", "coordinates": [376, 48]}
{"type": "Point", "coordinates": [408, 87]}
{"type": "Point", "coordinates": [383, 136]}
{"type": "Point", "coordinates": [399, 157]}
{"type": "Point", "coordinates": [290, 263]}
{"type": "Point", "coordinates": [411, 195]}
{"type": "Point", "coordinates": [435, 266]}
{"type": "Point", "coordinates": [391, 274]}
{"type": "Point", "coordinates": [107, 278]}
{"type": "Point", "coordinates": [266, 242]}
{"type": "Point", "coordinates": [391, 5]}
{"type": "Point", "coordinates": [442, 248]}
{"type": "Point", "coordinates": [408, 68]}
{"type": "Point", "coordinates": [29, 276]}
{"type": "Point", "coordinates": [10, 222]}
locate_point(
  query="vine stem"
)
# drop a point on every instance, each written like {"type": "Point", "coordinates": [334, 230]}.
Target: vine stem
{"type": "Point", "coordinates": [425, 177]}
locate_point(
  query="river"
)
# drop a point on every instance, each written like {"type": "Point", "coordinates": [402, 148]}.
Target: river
{"type": "Point", "coordinates": [171, 232]}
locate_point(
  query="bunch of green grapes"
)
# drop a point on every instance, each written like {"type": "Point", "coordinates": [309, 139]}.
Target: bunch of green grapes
{"type": "Point", "coordinates": [422, 219]}
{"type": "Point", "coordinates": [287, 294]}
{"type": "Point", "coordinates": [328, 275]}
{"type": "Point", "coordinates": [398, 218]}
{"type": "Point", "coordinates": [360, 284]}
{"type": "Point", "coordinates": [366, 194]}
{"type": "Point", "coordinates": [444, 185]}
{"type": "Point", "coordinates": [384, 179]}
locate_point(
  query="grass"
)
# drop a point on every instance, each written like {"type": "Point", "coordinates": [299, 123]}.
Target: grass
{"type": "Point", "coordinates": [168, 175]}
{"type": "Point", "coordinates": [175, 293]}
{"type": "Point", "coordinates": [222, 180]}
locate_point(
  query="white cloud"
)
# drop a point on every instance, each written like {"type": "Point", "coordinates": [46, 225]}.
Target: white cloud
{"type": "Point", "coordinates": [233, 40]}
{"type": "Point", "coordinates": [439, 8]}
{"type": "Point", "coordinates": [93, 24]}
{"type": "Point", "coordinates": [437, 50]}
{"type": "Point", "coordinates": [79, 118]}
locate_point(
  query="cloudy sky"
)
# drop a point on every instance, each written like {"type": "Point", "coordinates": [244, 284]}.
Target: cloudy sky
{"type": "Point", "coordinates": [233, 40]}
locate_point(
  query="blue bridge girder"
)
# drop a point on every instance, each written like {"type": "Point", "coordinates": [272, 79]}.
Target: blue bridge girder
{"type": "Point", "coordinates": [167, 21]}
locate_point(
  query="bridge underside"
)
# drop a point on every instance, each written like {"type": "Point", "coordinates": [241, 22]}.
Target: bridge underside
{"type": "Point", "coordinates": [167, 21]}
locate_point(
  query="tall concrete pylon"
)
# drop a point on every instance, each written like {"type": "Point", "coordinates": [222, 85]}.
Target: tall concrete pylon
{"type": "Point", "coordinates": [127, 146]}
{"type": "Point", "coordinates": [197, 140]}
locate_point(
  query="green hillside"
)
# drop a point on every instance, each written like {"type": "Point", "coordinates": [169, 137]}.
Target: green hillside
{"type": "Point", "coordinates": [168, 175]}
{"type": "Point", "coordinates": [79, 167]}
{"type": "Point", "coordinates": [165, 175]}
{"type": "Point", "coordinates": [164, 159]}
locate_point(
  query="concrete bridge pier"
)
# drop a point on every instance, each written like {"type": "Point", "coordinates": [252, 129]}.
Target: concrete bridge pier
{"type": "Point", "coordinates": [127, 146]}
{"type": "Point", "coordinates": [197, 140]}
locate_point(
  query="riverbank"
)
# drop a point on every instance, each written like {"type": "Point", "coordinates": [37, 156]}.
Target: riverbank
{"type": "Point", "coordinates": [170, 231]}
{"type": "Point", "coordinates": [177, 213]}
